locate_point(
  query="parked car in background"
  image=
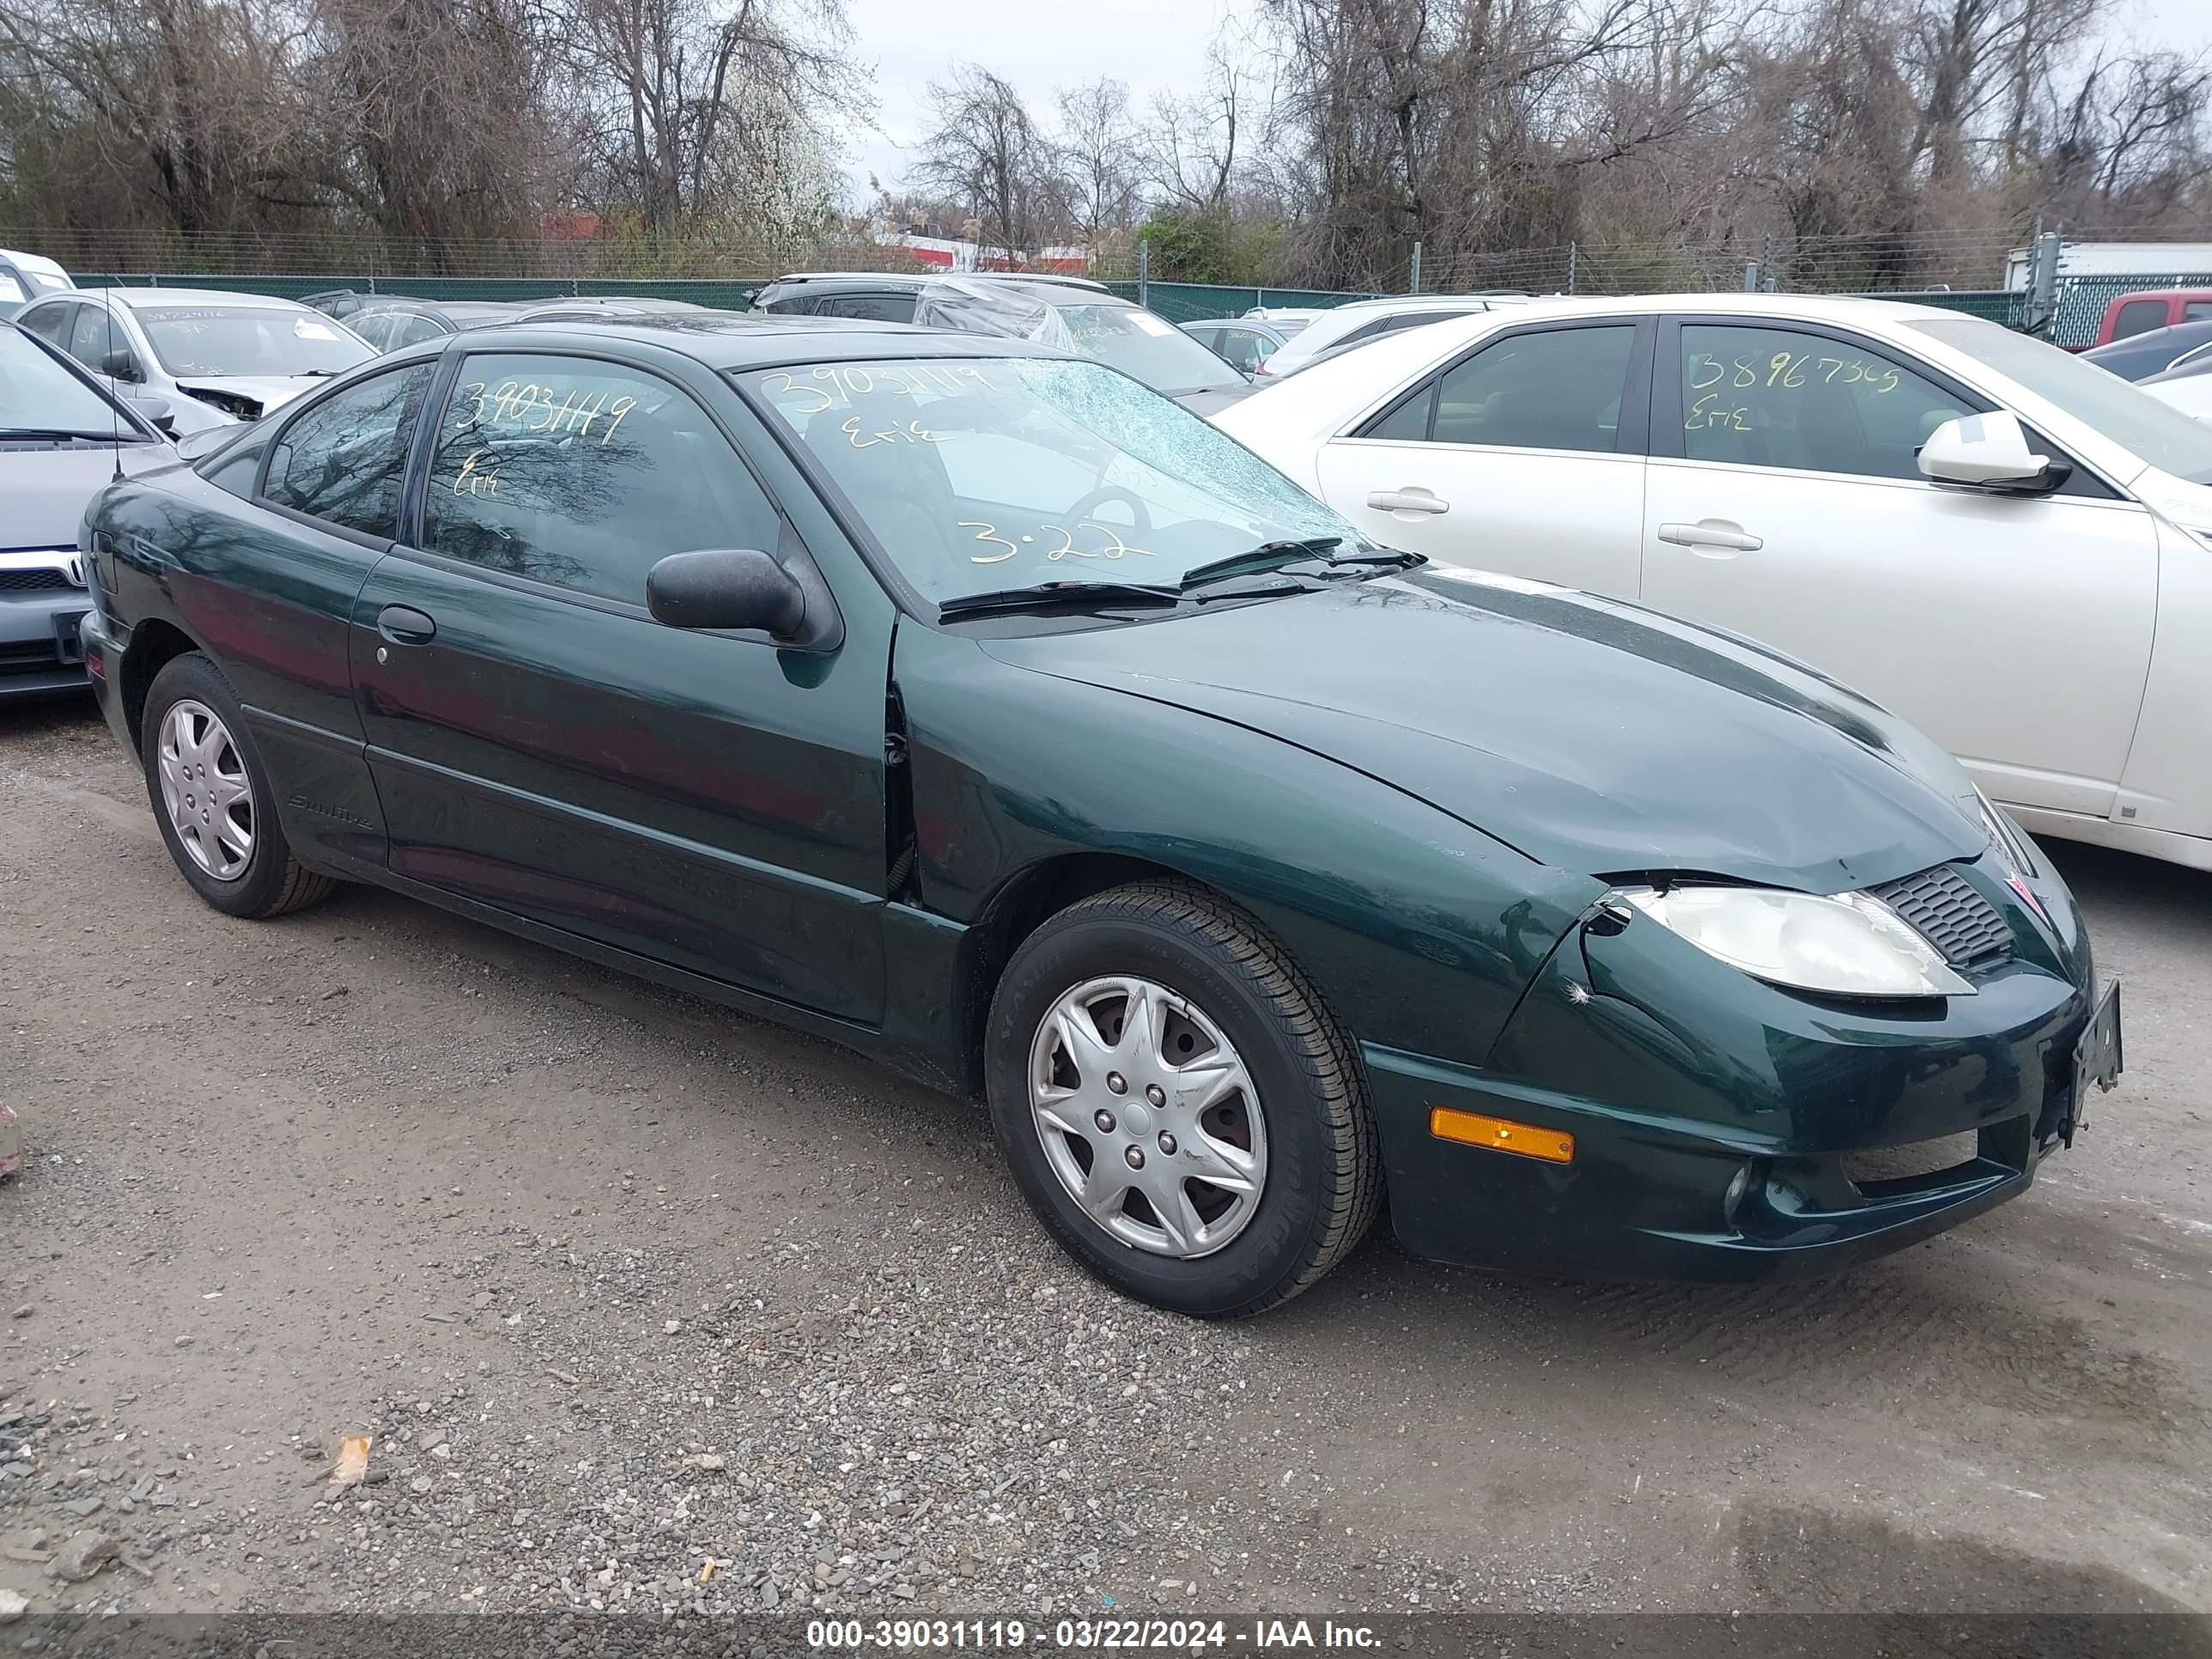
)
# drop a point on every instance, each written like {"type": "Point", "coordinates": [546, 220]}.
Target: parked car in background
{"type": "Point", "coordinates": [2187, 388]}
{"type": "Point", "coordinates": [25, 276]}
{"type": "Point", "coordinates": [1240, 342]}
{"type": "Point", "coordinates": [2146, 309]}
{"type": "Point", "coordinates": [1069, 755]}
{"type": "Point", "coordinates": [883, 296]}
{"type": "Point", "coordinates": [391, 324]}
{"type": "Point", "coordinates": [1816, 474]}
{"type": "Point", "coordinates": [1367, 320]}
{"type": "Point", "coordinates": [2139, 356]}
{"type": "Point", "coordinates": [236, 354]}
{"type": "Point", "coordinates": [63, 438]}
{"type": "Point", "coordinates": [1115, 331]}
{"type": "Point", "coordinates": [1285, 320]}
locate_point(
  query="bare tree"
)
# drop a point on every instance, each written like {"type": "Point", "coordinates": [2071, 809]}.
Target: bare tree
{"type": "Point", "coordinates": [985, 153]}
{"type": "Point", "coordinates": [1099, 164]}
{"type": "Point", "coordinates": [682, 88]}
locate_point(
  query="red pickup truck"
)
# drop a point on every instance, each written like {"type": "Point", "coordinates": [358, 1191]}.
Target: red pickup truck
{"type": "Point", "coordinates": [2148, 308]}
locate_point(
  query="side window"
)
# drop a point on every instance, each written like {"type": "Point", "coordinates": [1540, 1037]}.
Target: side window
{"type": "Point", "coordinates": [2139, 317]}
{"type": "Point", "coordinates": [343, 460]}
{"type": "Point", "coordinates": [1407, 422]}
{"type": "Point", "coordinates": [51, 324]}
{"type": "Point", "coordinates": [93, 337]}
{"type": "Point", "coordinates": [1420, 318]}
{"type": "Point", "coordinates": [873, 307]}
{"type": "Point", "coordinates": [583, 474]}
{"type": "Point", "coordinates": [1245, 349]}
{"type": "Point", "coordinates": [1553, 389]}
{"type": "Point", "coordinates": [414, 332]}
{"type": "Point", "coordinates": [795, 305]}
{"type": "Point", "coordinates": [1773, 397]}
{"type": "Point", "coordinates": [373, 326]}
{"type": "Point", "coordinates": [2197, 311]}
{"type": "Point", "coordinates": [1366, 331]}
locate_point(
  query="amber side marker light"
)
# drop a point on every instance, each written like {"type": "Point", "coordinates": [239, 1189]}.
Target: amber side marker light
{"type": "Point", "coordinates": [1501, 1134]}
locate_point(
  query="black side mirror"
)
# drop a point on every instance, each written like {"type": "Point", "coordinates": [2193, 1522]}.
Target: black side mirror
{"type": "Point", "coordinates": [121, 366]}
{"type": "Point", "coordinates": [733, 588]}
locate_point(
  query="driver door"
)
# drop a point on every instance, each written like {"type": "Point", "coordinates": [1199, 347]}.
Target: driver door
{"type": "Point", "coordinates": [544, 747]}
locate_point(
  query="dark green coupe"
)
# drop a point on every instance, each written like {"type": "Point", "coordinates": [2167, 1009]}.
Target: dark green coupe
{"type": "Point", "coordinates": [978, 708]}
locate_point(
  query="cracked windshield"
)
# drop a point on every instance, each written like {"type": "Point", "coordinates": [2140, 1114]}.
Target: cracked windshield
{"type": "Point", "coordinates": [1005, 472]}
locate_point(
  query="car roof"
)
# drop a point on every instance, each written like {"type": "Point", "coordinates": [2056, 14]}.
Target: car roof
{"type": "Point", "coordinates": [1264, 324]}
{"type": "Point", "coordinates": [1411, 303]}
{"type": "Point", "coordinates": [919, 278]}
{"type": "Point", "coordinates": [33, 262]}
{"type": "Point", "coordinates": [2170, 291]}
{"type": "Point", "coordinates": [736, 340]}
{"type": "Point", "coordinates": [2176, 335]}
{"type": "Point", "coordinates": [145, 298]}
{"type": "Point", "coordinates": [1802, 308]}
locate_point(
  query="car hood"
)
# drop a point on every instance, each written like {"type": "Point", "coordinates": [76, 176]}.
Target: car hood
{"type": "Point", "coordinates": [48, 486]}
{"type": "Point", "coordinates": [1593, 735]}
{"type": "Point", "coordinates": [267, 390]}
{"type": "Point", "coordinates": [1212, 401]}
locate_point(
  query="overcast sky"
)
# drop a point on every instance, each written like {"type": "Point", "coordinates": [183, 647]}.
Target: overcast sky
{"type": "Point", "coordinates": [1155, 46]}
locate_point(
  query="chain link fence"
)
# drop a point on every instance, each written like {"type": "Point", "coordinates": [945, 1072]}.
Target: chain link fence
{"type": "Point", "coordinates": [1965, 270]}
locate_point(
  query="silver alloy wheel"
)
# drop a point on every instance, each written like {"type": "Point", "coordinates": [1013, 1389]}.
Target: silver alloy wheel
{"type": "Point", "coordinates": [1148, 1116]}
{"type": "Point", "coordinates": [205, 787]}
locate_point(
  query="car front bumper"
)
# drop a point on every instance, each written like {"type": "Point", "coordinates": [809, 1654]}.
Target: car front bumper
{"type": "Point", "coordinates": [102, 654]}
{"type": "Point", "coordinates": [1723, 1129]}
{"type": "Point", "coordinates": [39, 650]}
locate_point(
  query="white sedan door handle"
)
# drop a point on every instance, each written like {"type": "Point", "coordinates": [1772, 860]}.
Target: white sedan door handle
{"type": "Point", "coordinates": [1412, 499]}
{"type": "Point", "coordinates": [1710, 532]}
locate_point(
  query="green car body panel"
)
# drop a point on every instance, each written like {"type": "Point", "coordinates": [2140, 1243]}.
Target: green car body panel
{"type": "Point", "coordinates": [1422, 785]}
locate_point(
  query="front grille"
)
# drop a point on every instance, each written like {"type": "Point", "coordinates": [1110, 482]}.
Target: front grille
{"type": "Point", "coordinates": [1943, 907]}
{"type": "Point", "coordinates": [35, 581]}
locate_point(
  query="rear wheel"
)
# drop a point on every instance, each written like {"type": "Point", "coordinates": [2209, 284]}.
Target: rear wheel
{"type": "Point", "coordinates": [212, 798]}
{"type": "Point", "coordinates": [1177, 1102]}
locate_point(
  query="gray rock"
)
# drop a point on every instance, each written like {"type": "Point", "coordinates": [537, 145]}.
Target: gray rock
{"type": "Point", "coordinates": [83, 1508]}
{"type": "Point", "coordinates": [13, 1606]}
{"type": "Point", "coordinates": [83, 1556]}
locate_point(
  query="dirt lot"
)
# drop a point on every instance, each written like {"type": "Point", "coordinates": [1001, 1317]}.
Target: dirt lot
{"type": "Point", "coordinates": [623, 1283]}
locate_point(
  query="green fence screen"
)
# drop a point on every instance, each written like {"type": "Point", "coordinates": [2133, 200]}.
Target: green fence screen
{"type": "Point", "coordinates": [2082, 299]}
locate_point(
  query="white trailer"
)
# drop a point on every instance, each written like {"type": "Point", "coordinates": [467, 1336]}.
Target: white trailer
{"type": "Point", "coordinates": [2158, 261]}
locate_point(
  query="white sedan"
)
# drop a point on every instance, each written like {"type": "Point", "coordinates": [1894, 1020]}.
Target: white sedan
{"type": "Point", "coordinates": [204, 357]}
{"type": "Point", "coordinates": [1843, 479]}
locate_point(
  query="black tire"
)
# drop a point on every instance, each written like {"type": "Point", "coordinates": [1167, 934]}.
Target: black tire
{"type": "Point", "coordinates": [1323, 1178]}
{"type": "Point", "coordinates": [272, 880]}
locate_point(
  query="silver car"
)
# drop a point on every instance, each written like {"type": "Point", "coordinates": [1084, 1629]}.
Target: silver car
{"type": "Point", "coordinates": [209, 357]}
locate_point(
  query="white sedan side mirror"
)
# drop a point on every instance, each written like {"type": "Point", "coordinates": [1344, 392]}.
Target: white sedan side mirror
{"type": "Point", "coordinates": [1983, 449]}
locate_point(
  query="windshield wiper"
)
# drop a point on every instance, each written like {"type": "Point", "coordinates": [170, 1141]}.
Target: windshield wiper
{"type": "Point", "coordinates": [62, 434]}
{"type": "Point", "coordinates": [1276, 556]}
{"type": "Point", "coordinates": [1268, 555]}
{"type": "Point", "coordinates": [1042, 593]}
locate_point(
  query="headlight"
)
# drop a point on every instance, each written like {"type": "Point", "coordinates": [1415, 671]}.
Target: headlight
{"type": "Point", "coordinates": [1846, 945]}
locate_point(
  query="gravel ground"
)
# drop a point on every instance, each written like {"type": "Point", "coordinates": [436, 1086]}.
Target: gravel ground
{"type": "Point", "coordinates": [645, 1305]}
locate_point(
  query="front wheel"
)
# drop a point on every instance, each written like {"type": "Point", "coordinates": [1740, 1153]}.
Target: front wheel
{"type": "Point", "coordinates": [212, 798]}
{"type": "Point", "coordinates": [1178, 1103]}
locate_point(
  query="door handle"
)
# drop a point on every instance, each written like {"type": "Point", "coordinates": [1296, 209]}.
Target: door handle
{"type": "Point", "coordinates": [402, 624]}
{"type": "Point", "coordinates": [1710, 532]}
{"type": "Point", "coordinates": [1413, 499]}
